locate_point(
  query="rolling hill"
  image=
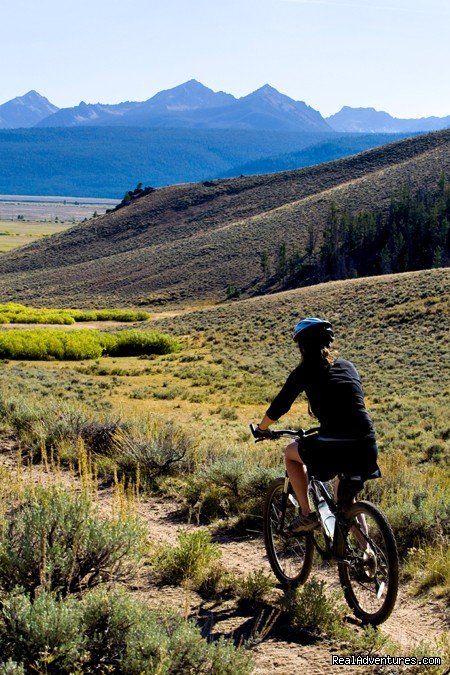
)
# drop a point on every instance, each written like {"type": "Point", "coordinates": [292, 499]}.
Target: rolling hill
{"type": "Point", "coordinates": [188, 243]}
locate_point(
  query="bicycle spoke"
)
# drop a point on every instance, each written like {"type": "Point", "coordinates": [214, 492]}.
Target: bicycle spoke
{"type": "Point", "coordinates": [289, 550]}
{"type": "Point", "coordinates": [370, 573]}
{"type": "Point", "coordinates": [290, 555]}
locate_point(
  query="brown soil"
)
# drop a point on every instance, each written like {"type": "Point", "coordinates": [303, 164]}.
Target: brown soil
{"type": "Point", "coordinates": [412, 621]}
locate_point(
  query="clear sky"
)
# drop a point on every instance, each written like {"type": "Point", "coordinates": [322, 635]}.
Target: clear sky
{"type": "Point", "coordinates": [389, 54]}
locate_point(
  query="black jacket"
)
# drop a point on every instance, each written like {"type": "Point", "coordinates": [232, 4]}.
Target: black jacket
{"type": "Point", "coordinates": [335, 396]}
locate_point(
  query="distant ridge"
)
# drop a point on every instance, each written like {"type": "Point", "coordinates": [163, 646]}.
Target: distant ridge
{"type": "Point", "coordinates": [369, 120]}
{"type": "Point", "coordinates": [188, 243]}
{"type": "Point", "coordinates": [325, 149]}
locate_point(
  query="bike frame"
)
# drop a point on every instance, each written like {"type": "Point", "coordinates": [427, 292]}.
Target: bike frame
{"type": "Point", "coordinates": [318, 490]}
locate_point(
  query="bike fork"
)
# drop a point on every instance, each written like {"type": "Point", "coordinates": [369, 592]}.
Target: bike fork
{"type": "Point", "coordinates": [284, 499]}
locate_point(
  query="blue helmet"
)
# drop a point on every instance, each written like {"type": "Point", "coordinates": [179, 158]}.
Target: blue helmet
{"type": "Point", "coordinates": [313, 331]}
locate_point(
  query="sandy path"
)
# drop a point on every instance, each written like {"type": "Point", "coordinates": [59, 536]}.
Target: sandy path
{"type": "Point", "coordinates": [412, 621]}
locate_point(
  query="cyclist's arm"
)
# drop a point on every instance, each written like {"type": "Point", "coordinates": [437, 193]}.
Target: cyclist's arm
{"type": "Point", "coordinates": [265, 423]}
{"type": "Point", "coordinates": [283, 401]}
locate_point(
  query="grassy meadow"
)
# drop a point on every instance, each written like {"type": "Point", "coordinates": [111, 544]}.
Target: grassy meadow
{"type": "Point", "coordinates": [15, 233]}
{"type": "Point", "coordinates": [24, 220]}
{"type": "Point", "coordinates": [176, 424]}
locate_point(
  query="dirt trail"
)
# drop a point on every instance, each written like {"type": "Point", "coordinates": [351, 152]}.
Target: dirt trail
{"type": "Point", "coordinates": [412, 621]}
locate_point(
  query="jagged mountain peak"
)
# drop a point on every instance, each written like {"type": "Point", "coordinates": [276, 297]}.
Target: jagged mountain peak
{"type": "Point", "coordinates": [189, 95]}
{"type": "Point", "coordinates": [25, 111]}
{"type": "Point", "coordinates": [267, 92]}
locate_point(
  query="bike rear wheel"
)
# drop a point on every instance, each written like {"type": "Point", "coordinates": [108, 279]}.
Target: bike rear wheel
{"type": "Point", "coordinates": [369, 574]}
{"type": "Point", "coordinates": [290, 555]}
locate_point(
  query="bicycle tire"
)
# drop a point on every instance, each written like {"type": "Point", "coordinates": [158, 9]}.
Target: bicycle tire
{"type": "Point", "coordinates": [290, 556]}
{"type": "Point", "coordinates": [370, 581]}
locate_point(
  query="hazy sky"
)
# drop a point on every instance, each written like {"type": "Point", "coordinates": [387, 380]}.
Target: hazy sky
{"type": "Point", "coordinates": [390, 54]}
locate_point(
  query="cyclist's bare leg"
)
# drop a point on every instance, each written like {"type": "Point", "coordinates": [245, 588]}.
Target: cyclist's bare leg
{"type": "Point", "coordinates": [298, 476]}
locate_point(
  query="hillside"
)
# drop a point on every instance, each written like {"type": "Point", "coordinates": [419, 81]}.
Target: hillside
{"type": "Point", "coordinates": [190, 242]}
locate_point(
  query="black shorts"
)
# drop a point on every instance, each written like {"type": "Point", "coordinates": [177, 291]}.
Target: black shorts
{"type": "Point", "coordinates": [327, 457]}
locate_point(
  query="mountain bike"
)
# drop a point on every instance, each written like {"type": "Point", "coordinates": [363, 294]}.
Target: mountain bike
{"type": "Point", "coordinates": [357, 537]}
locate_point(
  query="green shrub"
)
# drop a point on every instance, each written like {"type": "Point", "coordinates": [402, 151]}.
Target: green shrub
{"type": "Point", "coordinates": [166, 394]}
{"type": "Point", "coordinates": [419, 521]}
{"type": "Point", "coordinates": [10, 667]}
{"type": "Point", "coordinates": [310, 608]}
{"type": "Point", "coordinates": [123, 315]}
{"type": "Point", "coordinates": [191, 560]}
{"type": "Point", "coordinates": [120, 630]}
{"type": "Point", "coordinates": [254, 588]}
{"type": "Point", "coordinates": [43, 635]}
{"type": "Point", "coordinates": [135, 343]}
{"type": "Point", "coordinates": [439, 647]}
{"type": "Point", "coordinates": [416, 500]}
{"type": "Point", "coordinates": [227, 488]}
{"type": "Point", "coordinates": [429, 567]}
{"type": "Point", "coordinates": [217, 583]}
{"type": "Point", "coordinates": [43, 345]}
{"type": "Point", "coordinates": [98, 435]}
{"type": "Point", "coordinates": [44, 428]}
{"type": "Point", "coordinates": [125, 635]}
{"type": "Point", "coordinates": [16, 313]}
{"type": "Point", "coordinates": [229, 414]}
{"type": "Point", "coordinates": [162, 448]}
{"type": "Point", "coordinates": [56, 540]}
{"type": "Point", "coordinates": [107, 632]}
{"type": "Point", "coordinates": [370, 640]}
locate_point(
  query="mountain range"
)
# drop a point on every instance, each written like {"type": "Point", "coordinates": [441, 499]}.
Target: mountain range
{"type": "Point", "coordinates": [191, 105]}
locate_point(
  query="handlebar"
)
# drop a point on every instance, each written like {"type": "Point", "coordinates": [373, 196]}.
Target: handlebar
{"type": "Point", "coordinates": [273, 435]}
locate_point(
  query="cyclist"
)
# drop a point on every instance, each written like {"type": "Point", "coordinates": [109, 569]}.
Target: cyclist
{"type": "Point", "coordinates": [345, 442]}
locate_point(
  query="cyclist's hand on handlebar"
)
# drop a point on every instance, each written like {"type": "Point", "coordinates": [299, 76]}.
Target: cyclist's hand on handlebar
{"type": "Point", "coordinates": [260, 434]}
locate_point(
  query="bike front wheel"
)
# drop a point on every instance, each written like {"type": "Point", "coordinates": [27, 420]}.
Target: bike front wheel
{"type": "Point", "coordinates": [369, 568]}
{"type": "Point", "coordinates": [290, 555]}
